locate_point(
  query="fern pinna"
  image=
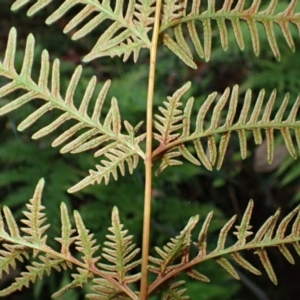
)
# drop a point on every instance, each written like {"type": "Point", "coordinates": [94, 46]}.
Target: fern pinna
{"type": "Point", "coordinates": [174, 125]}
{"type": "Point", "coordinates": [119, 148]}
{"type": "Point", "coordinates": [184, 27]}
{"type": "Point", "coordinates": [110, 280]}
{"type": "Point", "coordinates": [17, 247]}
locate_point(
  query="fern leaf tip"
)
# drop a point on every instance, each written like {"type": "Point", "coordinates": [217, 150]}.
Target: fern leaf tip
{"type": "Point", "coordinates": [41, 182]}
{"type": "Point", "coordinates": [115, 210]}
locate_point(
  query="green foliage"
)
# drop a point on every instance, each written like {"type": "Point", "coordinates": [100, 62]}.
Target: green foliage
{"type": "Point", "coordinates": [122, 148]}
{"type": "Point", "coordinates": [111, 280]}
{"type": "Point", "coordinates": [34, 242]}
{"type": "Point", "coordinates": [80, 122]}
{"type": "Point", "coordinates": [175, 120]}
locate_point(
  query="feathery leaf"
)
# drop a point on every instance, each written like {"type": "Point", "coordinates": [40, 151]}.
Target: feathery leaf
{"type": "Point", "coordinates": [174, 127]}
{"type": "Point", "coordinates": [176, 248]}
{"type": "Point", "coordinates": [120, 251]}
{"type": "Point", "coordinates": [88, 132]}
{"type": "Point", "coordinates": [176, 14]}
{"type": "Point", "coordinates": [35, 219]}
{"type": "Point", "coordinates": [127, 24]}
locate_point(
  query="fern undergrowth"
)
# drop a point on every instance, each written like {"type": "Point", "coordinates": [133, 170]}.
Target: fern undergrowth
{"type": "Point", "coordinates": [114, 268]}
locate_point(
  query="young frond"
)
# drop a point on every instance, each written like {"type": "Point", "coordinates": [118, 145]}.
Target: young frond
{"type": "Point", "coordinates": [120, 251]}
{"type": "Point", "coordinates": [257, 120]}
{"type": "Point", "coordinates": [178, 247]}
{"type": "Point", "coordinates": [177, 13]}
{"type": "Point", "coordinates": [88, 132]}
{"type": "Point", "coordinates": [127, 33]}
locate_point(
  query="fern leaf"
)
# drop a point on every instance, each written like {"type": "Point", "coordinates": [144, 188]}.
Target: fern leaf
{"type": "Point", "coordinates": [175, 138]}
{"type": "Point", "coordinates": [259, 244]}
{"type": "Point", "coordinates": [228, 267]}
{"type": "Point", "coordinates": [15, 247]}
{"type": "Point", "coordinates": [105, 290]}
{"type": "Point", "coordinates": [36, 270]}
{"type": "Point", "coordinates": [127, 24]}
{"type": "Point", "coordinates": [120, 252]}
{"type": "Point", "coordinates": [176, 15]}
{"type": "Point", "coordinates": [116, 158]}
{"type": "Point", "coordinates": [88, 132]}
{"type": "Point", "coordinates": [9, 256]}
{"type": "Point", "coordinates": [263, 239]}
{"type": "Point", "coordinates": [11, 223]}
{"type": "Point", "coordinates": [198, 276]}
{"type": "Point", "coordinates": [176, 291]}
{"type": "Point", "coordinates": [168, 161]}
{"type": "Point", "coordinates": [79, 280]}
{"type": "Point", "coordinates": [263, 256]}
{"type": "Point", "coordinates": [244, 263]}
{"type": "Point", "coordinates": [243, 230]}
{"type": "Point", "coordinates": [66, 231]}
{"type": "Point", "coordinates": [35, 219]}
{"type": "Point", "coordinates": [177, 247]}
{"type": "Point", "coordinates": [202, 238]}
{"type": "Point", "coordinates": [171, 117]}
{"type": "Point", "coordinates": [223, 234]}
{"type": "Point", "coordinates": [85, 242]}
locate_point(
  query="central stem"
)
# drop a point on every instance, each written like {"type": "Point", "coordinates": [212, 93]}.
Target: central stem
{"type": "Point", "coordinates": [148, 159]}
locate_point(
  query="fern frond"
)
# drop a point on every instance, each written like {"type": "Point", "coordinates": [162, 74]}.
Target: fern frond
{"type": "Point", "coordinates": [263, 239]}
{"type": "Point", "coordinates": [88, 132]}
{"type": "Point", "coordinates": [178, 247]}
{"type": "Point", "coordinates": [127, 33]}
{"type": "Point", "coordinates": [255, 121]}
{"type": "Point", "coordinates": [171, 117]}
{"type": "Point", "coordinates": [177, 14]}
{"type": "Point", "coordinates": [85, 242]}
{"type": "Point", "coordinates": [35, 219]}
{"type": "Point", "coordinates": [105, 290]}
{"type": "Point", "coordinates": [36, 270]}
{"type": "Point", "coordinates": [9, 256]}
{"type": "Point", "coordinates": [15, 247]}
{"type": "Point", "coordinates": [116, 156]}
{"type": "Point", "coordinates": [66, 238]}
{"type": "Point", "coordinates": [80, 279]}
{"type": "Point", "coordinates": [266, 237]}
{"type": "Point", "coordinates": [120, 251]}
{"type": "Point", "coordinates": [176, 291]}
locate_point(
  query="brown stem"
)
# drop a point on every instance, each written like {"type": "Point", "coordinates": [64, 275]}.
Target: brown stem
{"type": "Point", "coordinates": [148, 159]}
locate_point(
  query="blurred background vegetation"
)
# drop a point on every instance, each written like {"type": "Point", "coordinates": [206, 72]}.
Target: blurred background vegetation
{"type": "Point", "coordinates": [179, 192]}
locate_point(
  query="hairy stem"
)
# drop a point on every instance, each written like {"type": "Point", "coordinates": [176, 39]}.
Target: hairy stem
{"type": "Point", "coordinates": [148, 159]}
